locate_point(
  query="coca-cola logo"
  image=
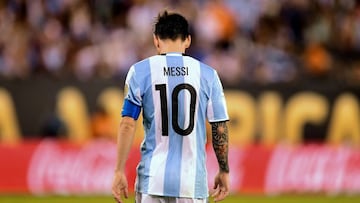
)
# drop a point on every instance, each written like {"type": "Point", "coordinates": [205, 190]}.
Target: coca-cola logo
{"type": "Point", "coordinates": [63, 168]}
{"type": "Point", "coordinates": [313, 168]}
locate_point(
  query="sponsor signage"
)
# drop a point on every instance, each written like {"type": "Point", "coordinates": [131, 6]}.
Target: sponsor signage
{"type": "Point", "coordinates": [59, 167]}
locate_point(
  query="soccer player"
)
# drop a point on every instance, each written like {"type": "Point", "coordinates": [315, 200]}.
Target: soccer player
{"type": "Point", "coordinates": [177, 94]}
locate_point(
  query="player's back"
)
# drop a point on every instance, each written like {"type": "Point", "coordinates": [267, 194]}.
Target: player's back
{"type": "Point", "coordinates": [174, 91]}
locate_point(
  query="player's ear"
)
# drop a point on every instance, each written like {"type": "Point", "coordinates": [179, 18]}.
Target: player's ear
{"type": "Point", "coordinates": [156, 41]}
{"type": "Point", "coordinates": [188, 41]}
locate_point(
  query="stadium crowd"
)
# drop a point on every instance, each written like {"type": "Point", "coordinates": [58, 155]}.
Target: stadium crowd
{"type": "Point", "coordinates": [250, 40]}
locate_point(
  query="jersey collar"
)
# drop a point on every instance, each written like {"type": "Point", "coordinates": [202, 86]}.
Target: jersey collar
{"type": "Point", "coordinates": [173, 54]}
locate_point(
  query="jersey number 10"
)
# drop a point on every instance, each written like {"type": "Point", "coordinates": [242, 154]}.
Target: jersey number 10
{"type": "Point", "coordinates": [175, 108]}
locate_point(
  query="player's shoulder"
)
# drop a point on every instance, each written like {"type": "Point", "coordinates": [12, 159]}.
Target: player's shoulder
{"type": "Point", "coordinates": [203, 66]}
{"type": "Point", "coordinates": [207, 67]}
{"type": "Point", "coordinates": [146, 61]}
{"type": "Point", "coordinates": [207, 71]}
{"type": "Point", "coordinates": [141, 66]}
{"type": "Point", "coordinates": [141, 63]}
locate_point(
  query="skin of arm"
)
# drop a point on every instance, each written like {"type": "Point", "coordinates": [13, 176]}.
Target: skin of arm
{"type": "Point", "coordinates": [220, 142]}
{"type": "Point", "coordinates": [125, 139]}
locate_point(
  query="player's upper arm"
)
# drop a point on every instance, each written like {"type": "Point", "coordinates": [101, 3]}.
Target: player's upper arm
{"type": "Point", "coordinates": [127, 122]}
{"type": "Point", "coordinates": [130, 110]}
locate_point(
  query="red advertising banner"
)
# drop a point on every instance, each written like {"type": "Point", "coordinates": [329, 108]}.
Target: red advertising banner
{"type": "Point", "coordinates": [313, 168]}
{"type": "Point", "coordinates": [59, 167]}
{"type": "Point", "coordinates": [63, 168]}
{"type": "Point", "coordinates": [14, 163]}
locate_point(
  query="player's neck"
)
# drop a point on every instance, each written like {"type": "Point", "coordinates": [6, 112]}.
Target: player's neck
{"type": "Point", "coordinates": [172, 46]}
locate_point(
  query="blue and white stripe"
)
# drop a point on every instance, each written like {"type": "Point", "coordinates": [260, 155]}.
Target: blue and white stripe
{"type": "Point", "coordinates": [174, 165]}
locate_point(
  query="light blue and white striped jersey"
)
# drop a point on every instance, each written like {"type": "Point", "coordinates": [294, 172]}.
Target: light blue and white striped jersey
{"type": "Point", "coordinates": [177, 94]}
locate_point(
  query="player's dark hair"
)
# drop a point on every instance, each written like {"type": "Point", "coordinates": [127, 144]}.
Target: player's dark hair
{"type": "Point", "coordinates": [171, 26]}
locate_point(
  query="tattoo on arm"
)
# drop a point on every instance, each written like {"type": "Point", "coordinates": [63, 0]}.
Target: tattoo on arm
{"type": "Point", "coordinates": [220, 141]}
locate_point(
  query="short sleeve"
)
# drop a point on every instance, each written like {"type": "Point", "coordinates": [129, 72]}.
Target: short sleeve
{"type": "Point", "coordinates": [216, 107]}
{"type": "Point", "coordinates": [132, 88]}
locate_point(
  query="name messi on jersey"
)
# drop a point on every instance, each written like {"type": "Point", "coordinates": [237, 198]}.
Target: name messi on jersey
{"type": "Point", "coordinates": [176, 71]}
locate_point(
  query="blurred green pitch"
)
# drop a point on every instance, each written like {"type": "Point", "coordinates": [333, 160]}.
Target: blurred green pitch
{"type": "Point", "coordinates": [231, 199]}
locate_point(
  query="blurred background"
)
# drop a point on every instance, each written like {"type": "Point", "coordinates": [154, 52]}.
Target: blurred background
{"type": "Point", "coordinates": [290, 69]}
{"type": "Point", "coordinates": [257, 41]}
